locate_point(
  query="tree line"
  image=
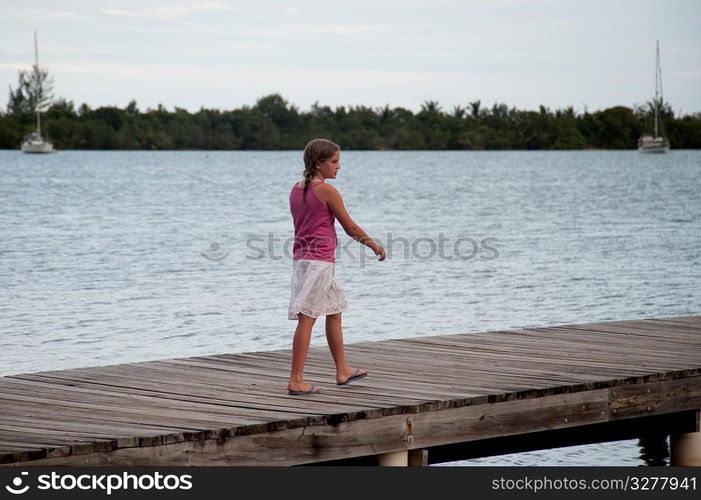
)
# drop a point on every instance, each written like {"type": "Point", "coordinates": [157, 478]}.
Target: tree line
{"type": "Point", "coordinates": [275, 124]}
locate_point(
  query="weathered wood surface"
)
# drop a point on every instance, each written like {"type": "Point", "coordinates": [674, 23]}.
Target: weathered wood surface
{"type": "Point", "coordinates": [233, 409]}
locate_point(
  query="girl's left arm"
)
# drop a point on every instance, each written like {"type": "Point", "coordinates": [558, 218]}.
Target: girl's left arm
{"type": "Point", "coordinates": [335, 203]}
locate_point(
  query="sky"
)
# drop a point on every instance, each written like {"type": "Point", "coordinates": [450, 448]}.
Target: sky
{"type": "Point", "coordinates": [224, 54]}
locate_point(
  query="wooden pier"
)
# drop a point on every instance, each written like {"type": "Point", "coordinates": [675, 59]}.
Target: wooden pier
{"type": "Point", "coordinates": [428, 398]}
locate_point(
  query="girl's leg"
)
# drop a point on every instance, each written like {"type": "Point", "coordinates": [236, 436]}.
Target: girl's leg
{"type": "Point", "coordinates": [300, 348]}
{"type": "Point", "coordinates": [334, 336]}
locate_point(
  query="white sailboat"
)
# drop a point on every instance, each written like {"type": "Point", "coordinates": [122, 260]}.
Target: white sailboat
{"type": "Point", "coordinates": [656, 143]}
{"type": "Point", "coordinates": [34, 142]}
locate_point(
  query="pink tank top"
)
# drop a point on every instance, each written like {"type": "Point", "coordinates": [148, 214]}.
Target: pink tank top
{"type": "Point", "coordinates": [315, 233]}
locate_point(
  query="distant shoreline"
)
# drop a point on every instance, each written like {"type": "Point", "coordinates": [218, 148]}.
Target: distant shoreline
{"type": "Point", "coordinates": [273, 124]}
{"type": "Point", "coordinates": [590, 150]}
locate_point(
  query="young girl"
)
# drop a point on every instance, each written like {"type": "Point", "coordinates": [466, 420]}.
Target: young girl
{"type": "Point", "coordinates": [315, 205]}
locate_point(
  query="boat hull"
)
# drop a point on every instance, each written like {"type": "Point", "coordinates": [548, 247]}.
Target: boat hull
{"type": "Point", "coordinates": [649, 144]}
{"type": "Point", "coordinates": [35, 147]}
{"type": "Point", "coordinates": [653, 149]}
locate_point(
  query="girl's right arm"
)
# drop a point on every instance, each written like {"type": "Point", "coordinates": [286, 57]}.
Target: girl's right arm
{"type": "Point", "coordinates": [335, 201]}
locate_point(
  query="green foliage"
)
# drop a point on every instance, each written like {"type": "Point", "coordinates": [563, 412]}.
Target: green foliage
{"type": "Point", "coordinates": [34, 91]}
{"type": "Point", "coordinates": [274, 124]}
{"type": "Point", "coordinates": [685, 133]}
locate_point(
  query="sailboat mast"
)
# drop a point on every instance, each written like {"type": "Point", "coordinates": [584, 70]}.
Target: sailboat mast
{"type": "Point", "coordinates": [657, 85]}
{"type": "Point", "coordinates": [36, 51]}
{"type": "Point", "coordinates": [659, 72]}
{"type": "Point", "coordinates": [36, 74]}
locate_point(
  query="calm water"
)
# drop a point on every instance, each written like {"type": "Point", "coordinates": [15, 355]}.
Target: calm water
{"type": "Point", "coordinates": [115, 257]}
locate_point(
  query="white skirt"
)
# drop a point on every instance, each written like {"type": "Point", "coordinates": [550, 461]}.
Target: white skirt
{"type": "Point", "coordinates": [315, 290]}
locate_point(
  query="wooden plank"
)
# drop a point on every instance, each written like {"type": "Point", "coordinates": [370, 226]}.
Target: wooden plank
{"type": "Point", "coordinates": [562, 359]}
{"type": "Point", "coordinates": [324, 399]}
{"type": "Point", "coordinates": [13, 456]}
{"type": "Point", "coordinates": [554, 340]}
{"type": "Point", "coordinates": [323, 404]}
{"type": "Point", "coordinates": [606, 334]}
{"type": "Point", "coordinates": [77, 445]}
{"type": "Point", "coordinates": [144, 402]}
{"type": "Point", "coordinates": [584, 341]}
{"type": "Point", "coordinates": [566, 363]}
{"type": "Point", "coordinates": [140, 410]}
{"type": "Point", "coordinates": [13, 445]}
{"type": "Point", "coordinates": [642, 336]}
{"type": "Point", "coordinates": [483, 355]}
{"type": "Point", "coordinates": [149, 377]}
{"type": "Point", "coordinates": [195, 425]}
{"type": "Point", "coordinates": [349, 439]}
{"type": "Point", "coordinates": [199, 395]}
{"type": "Point", "coordinates": [656, 397]}
{"type": "Point", "coordinates": [125, 435]}
{"type": "Point", "coordinates": [689, 321]}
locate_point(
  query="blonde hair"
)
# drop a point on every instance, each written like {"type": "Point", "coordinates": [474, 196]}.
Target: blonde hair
{"type": "Point", "coordinates": [315, 152]}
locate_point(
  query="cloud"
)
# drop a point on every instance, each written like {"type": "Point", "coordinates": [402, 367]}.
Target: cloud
{"type": "Point", "coordinates": [351, 29]}
{"type": "Point", "coordinates": [168, 12]}
{"type": "Point", "coordinates": [13, 67]}
{"type": "Point", "coordinates": [218, 6]}
{"type": "Point", "coordinates": [164, 13]}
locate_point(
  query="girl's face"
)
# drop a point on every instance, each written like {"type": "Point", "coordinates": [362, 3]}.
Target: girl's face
{"type": "Point", "coordinates": [330, 167]}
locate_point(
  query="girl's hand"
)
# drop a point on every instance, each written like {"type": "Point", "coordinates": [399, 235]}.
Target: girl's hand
{"type": "Point", "coordinates": [381, 252]}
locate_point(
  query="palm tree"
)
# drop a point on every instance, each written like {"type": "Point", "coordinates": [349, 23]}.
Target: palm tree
{"type": "Point", "coordinates": [458, 112]}
{"type": "Point", "coordinates": [475, 108]}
